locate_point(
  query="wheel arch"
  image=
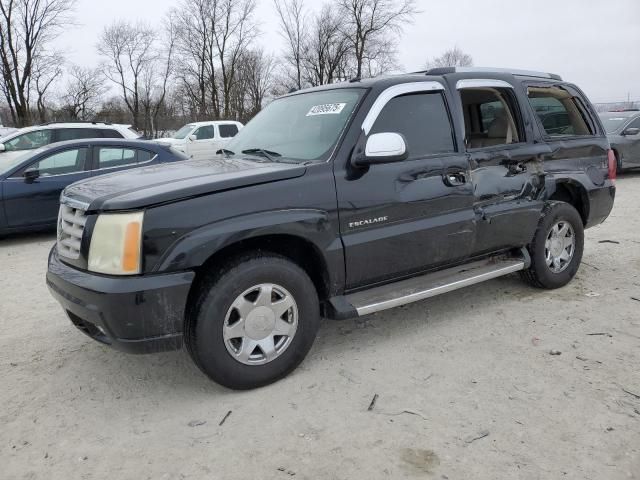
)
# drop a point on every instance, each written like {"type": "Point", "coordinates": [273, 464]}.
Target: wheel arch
{"type": "Point", "coordinates": [573, 193]}
{"type": "Point", "coordinates": [299, 250]}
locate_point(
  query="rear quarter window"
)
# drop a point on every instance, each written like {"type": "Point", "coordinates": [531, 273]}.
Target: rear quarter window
{"type": "Point", "coordinates": [109, 133]}
{"type": "Point", "coordinates": [560, 113]}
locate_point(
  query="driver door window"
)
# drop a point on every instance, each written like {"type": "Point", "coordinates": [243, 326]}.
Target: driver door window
{"type": "Point", "coordinates": [205, 133]}
{"type": "Point", "coordinates": [634, 124]}
{"type": "Point", "coordinates": [29, 141]}
{"type": "Point", "coordinates": [61, 163]}
{"type": "Point", "coordinates": [422, 119]}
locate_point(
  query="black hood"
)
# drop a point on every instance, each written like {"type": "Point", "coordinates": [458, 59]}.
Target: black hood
{"type": "Point", "coordinates": [168, 182]}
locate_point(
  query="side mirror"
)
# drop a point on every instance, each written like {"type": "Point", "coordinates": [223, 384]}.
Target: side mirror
{"type": "Point", "coordinates": [193, 138]}
{"type": "Point", "coordinates": [31, 175]}
{"type": "Point", "coordinates": [2, 147]}
{"type": "Point", "coordinates": [383, 148]}
{"type": "Point", "coordinates": [631, 132]}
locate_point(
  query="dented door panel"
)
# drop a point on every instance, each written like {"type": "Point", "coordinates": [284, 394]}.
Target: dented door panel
{"type": "Point", "coordinates": [507, 184]}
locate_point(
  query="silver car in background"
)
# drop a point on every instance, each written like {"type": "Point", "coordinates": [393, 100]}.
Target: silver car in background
{"type": "Point", "coordinates": [623, 131]}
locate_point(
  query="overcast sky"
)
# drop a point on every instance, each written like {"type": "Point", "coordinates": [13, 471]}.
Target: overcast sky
{"type": "Point", "coordinates": [593, 43]}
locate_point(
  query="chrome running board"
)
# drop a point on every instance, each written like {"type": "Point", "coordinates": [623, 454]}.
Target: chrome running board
{"type": "Point", "coordinates": [418, 288]}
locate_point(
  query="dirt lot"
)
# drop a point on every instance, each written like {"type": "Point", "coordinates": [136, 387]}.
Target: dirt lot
{"type": "Point", "coordinates": [447, 372]}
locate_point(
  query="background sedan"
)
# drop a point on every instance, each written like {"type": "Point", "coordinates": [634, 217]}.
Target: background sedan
{"type": "Point", "coordinates": [31, 182]}
{"type": "Point", "coordinates": [623, 131]}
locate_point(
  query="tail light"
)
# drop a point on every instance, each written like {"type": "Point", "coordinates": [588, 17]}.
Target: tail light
{"type": "Point", "coordinates": [613, 170]}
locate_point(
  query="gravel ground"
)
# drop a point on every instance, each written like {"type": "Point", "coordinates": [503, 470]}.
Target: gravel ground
{"type": "Point", "coordinates": [466, 386]}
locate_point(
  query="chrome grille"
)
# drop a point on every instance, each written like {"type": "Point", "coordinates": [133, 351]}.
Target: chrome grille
{"type": "Point", "coordinates": [71, 222]}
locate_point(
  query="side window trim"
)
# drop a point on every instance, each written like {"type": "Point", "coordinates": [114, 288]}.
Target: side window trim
{"type": "Point", "coordinates": [392, 92]}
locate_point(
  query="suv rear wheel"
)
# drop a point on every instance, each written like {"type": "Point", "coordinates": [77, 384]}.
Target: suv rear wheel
{"type": "Point", "coordinates": [253, 322]}
{"type": "Point", "coordinates": [556, 250]}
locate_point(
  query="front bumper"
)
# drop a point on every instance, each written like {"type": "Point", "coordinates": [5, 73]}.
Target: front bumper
{"type": "Point", "coordinates": [141, 314]}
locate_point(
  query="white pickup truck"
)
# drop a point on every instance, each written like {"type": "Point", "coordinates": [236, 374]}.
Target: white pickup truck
{"type": "Point", "coordinates": [203, 139]}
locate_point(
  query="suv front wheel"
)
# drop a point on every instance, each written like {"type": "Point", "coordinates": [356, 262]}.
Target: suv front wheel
{"type": "Point", "coordinates": [253, 322]}
{"type": "Point", "coordinates": [556, 250]}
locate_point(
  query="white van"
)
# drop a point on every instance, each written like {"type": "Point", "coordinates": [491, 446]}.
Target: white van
{"type": "Point", "coordinates": [203, 139]}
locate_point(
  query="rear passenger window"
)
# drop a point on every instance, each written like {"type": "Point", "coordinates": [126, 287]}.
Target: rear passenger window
{"type": "Point", "coordinates": [111, 157]}
{"type": "Point", "coordinates": [228, 130]}
{"type": "Point", "coordinates": [77, 133]}
{"type": "Point", "coordinates": [108, 133]}
{"type": "Point", "coordinates": [491, 117]}
{"type": "Point", "coordinates": [559, 112]}
{"type": "Point", "coordinates": [423, 120]}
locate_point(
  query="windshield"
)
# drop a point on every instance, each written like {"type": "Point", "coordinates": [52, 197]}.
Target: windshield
{"type": "Point", "coordinates": [183, 132]}
{"type": "Point", "coordinates": [299, 128]}
{"type": "Point", "coordinates": [613, 122]}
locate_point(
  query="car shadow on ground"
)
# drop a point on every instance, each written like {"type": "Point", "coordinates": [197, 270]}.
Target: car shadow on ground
{"type": "Point", "coordinates": [25, 239]}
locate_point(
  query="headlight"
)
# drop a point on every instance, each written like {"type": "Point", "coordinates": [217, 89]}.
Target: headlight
{"type": "Point", "coordinates": [116, 244]}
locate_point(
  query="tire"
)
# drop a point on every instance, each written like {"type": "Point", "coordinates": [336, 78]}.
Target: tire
{"type": "Point", "coordinates": [247, 282]}
{"type": "Point", "coordinates": [542, 275]}
{"type": "Point", "coordinates": [619, 168]}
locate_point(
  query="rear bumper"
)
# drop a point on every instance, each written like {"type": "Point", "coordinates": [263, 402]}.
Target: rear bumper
{"type": "Point", "coordinates": [601, 203]}
{"type": "Point", "coordinates": [133, 314]}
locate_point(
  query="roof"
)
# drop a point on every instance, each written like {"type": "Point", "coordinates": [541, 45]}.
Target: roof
{"type": "Point", "coordinates": [434, 74]}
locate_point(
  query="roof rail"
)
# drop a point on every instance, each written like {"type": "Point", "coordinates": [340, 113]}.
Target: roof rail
{"type": "Point", "coordinates": [92, 122]}
{"type": "Point", "coordinates": [524, 73]}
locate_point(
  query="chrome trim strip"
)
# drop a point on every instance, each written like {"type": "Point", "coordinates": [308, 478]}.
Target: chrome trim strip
{"type": "Point", "coordinates": [127, 165]}
{"type": "Point", "coordinates": [439, 289]}
{"type": "Point", "coordinates": [482, 83]}
{"type": "Point", "coordinates": [73, 203]}
{"type": "Point", "coordinates": [512, 71]}
{"type": "Point", "coordinates": [395, 91]}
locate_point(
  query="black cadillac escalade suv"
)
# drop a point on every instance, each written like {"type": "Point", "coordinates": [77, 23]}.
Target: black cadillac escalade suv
{"type": "Point", "coordinates": [337, 201]}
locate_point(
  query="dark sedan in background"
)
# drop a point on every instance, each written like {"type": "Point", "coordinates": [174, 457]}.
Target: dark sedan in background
{"type": "Point", "coordinates": [623, 131]}
{"type": "Point", "coordinates": [31, 182]}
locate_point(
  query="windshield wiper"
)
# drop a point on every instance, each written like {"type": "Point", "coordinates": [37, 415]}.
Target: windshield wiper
{"type": "Point", "coordinates": [270, 155]}
{"type": "Point", "coordinates": [228, 153]}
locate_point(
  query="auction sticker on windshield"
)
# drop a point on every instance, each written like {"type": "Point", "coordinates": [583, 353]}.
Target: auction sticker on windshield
{"type": "Point", "coordinates": [326, 109]}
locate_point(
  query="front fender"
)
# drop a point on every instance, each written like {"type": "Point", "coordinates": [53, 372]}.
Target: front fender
{"type": "Point", "coordinates": [313, 226]}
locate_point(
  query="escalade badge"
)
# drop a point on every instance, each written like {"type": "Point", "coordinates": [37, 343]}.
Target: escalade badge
{"type": "Point", "coordinates": [368, 221]}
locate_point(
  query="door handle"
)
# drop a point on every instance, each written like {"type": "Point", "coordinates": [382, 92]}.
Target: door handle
{"type": "Point", "coordinates": [454, 179]}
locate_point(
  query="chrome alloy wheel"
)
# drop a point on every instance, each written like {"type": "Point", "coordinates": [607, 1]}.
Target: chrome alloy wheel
{"type": "Point", "coordinates": [559, 246]}
{"type": "Point", "coordinates": [260, 324]}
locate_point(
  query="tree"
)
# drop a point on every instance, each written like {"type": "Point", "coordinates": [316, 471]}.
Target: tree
{"type": "Point", "coordinates": [139, 64]}
{"type": "Point", "coordinates": [371, 23]}
{"type": "Point", "coordinates": [212, 37]}
{"type": "Point", "coordinates": [26, 28]}
{"type": "Point", "coordinates": [454, 57]}
{"type": "Point", "coordinates": [293, 23]}
{"type": "Point", "coordinates": [83, 91]}
{"type": "Point", "coordinates": [326, 57]}
{"type": "Point", "coordinates": [47, 69]}
{"type": "Point", "coordinates": [256, 71]}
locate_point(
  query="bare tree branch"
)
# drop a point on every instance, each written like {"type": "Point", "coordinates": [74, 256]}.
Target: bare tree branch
{"type": "Point", "coordinates": [26, 27]}
{"type": "Point", "coordinates": [454, 57]}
